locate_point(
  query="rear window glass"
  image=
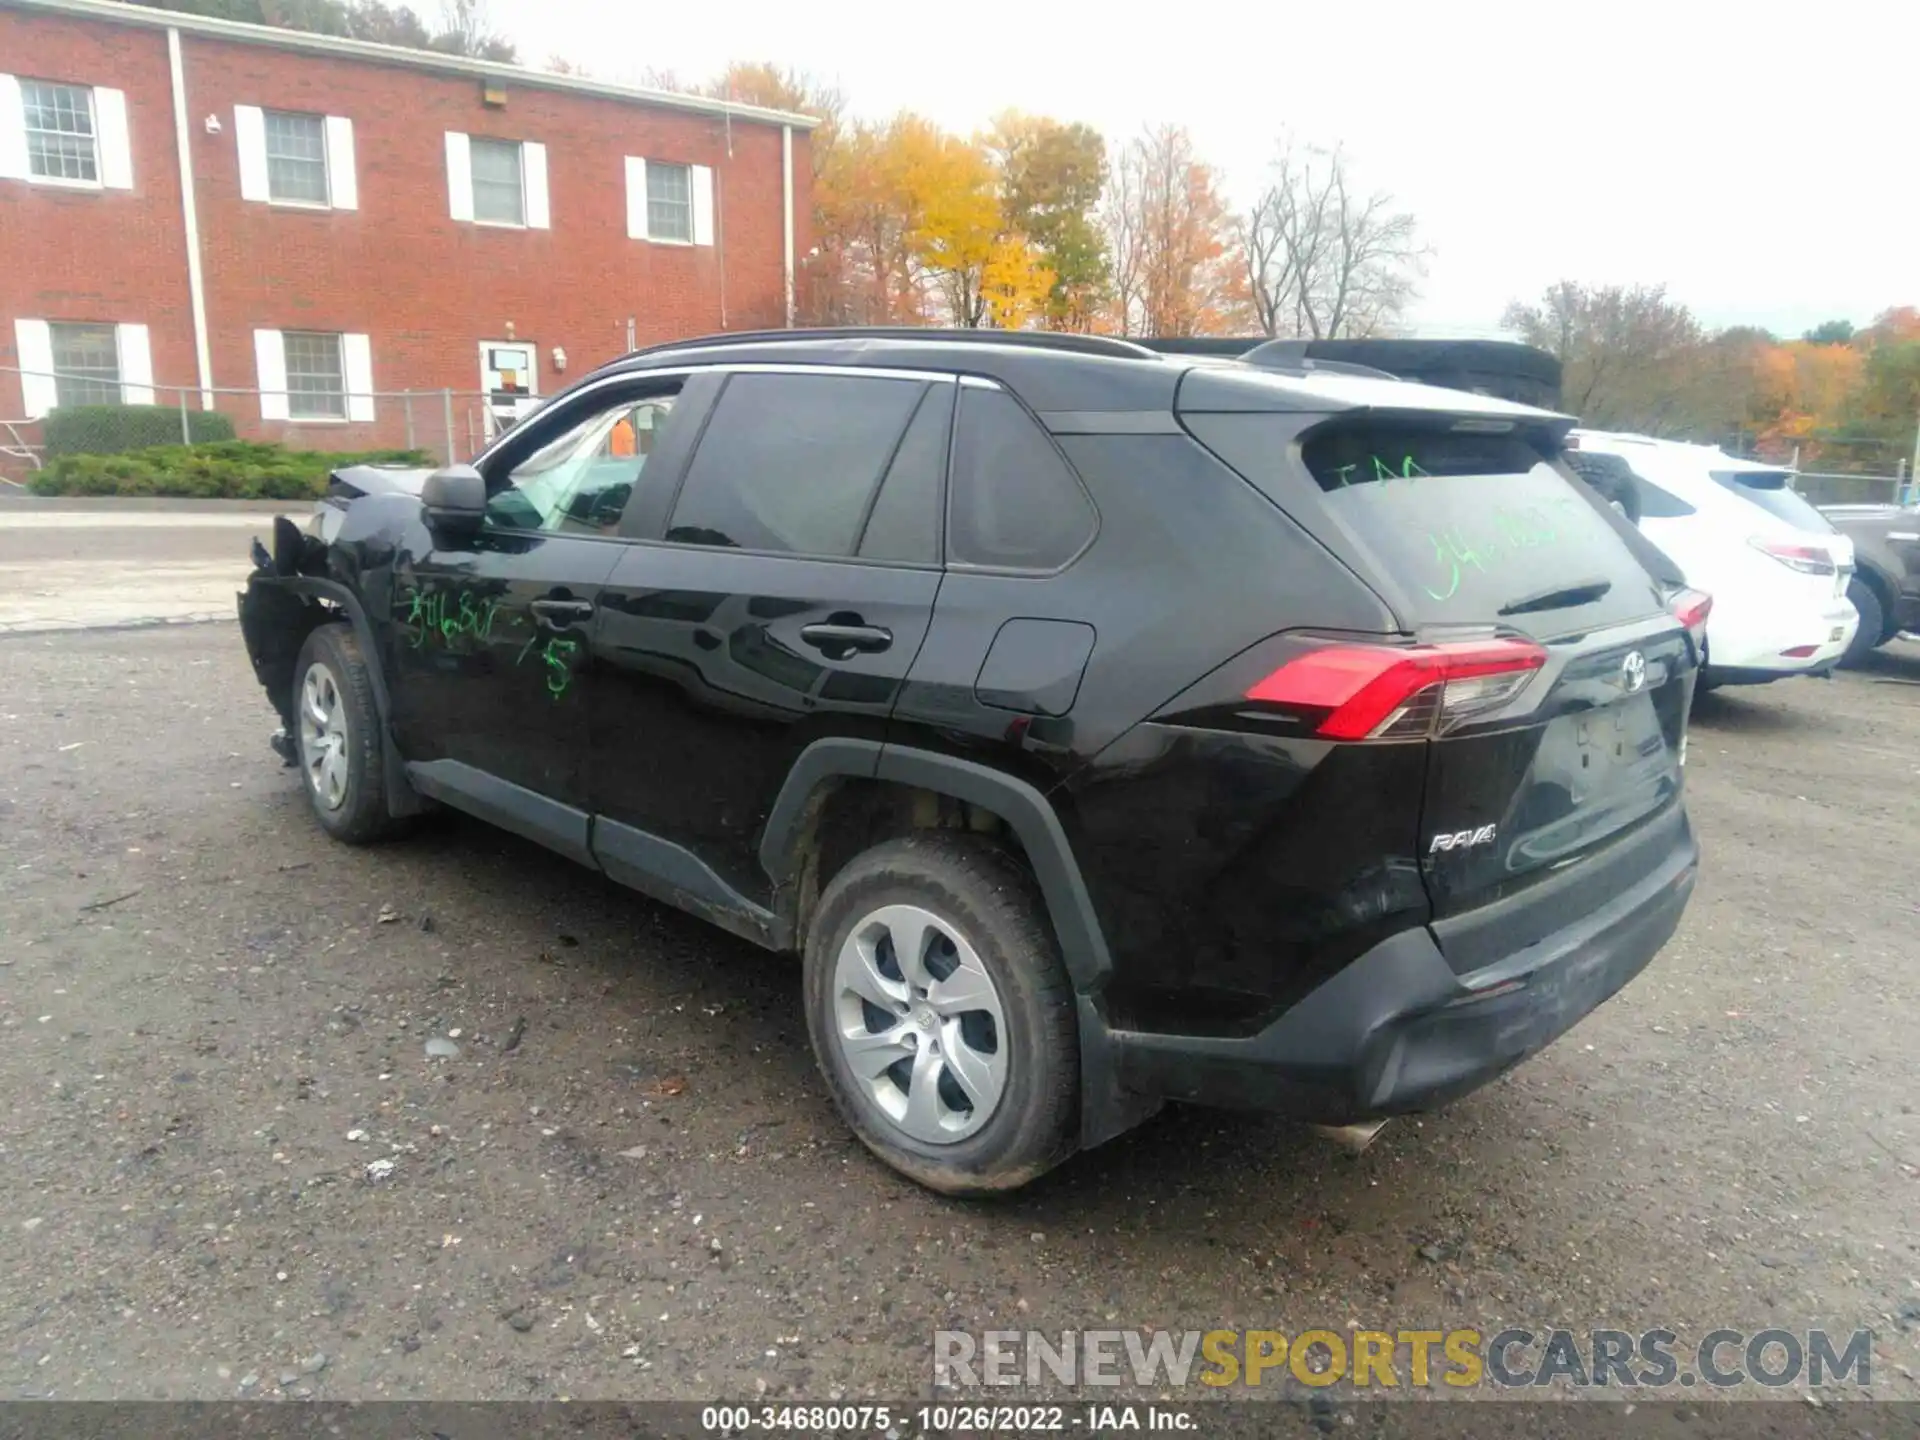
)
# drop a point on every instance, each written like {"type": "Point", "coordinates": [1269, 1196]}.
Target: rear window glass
{"type": "Point", "coordinates": [1462, 528]}
{"type": "Point", "coordinates": [1768, 489]}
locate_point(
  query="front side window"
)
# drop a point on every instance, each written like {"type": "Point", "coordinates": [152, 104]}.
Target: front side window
{"type": "Point", "coordinates": [316, 377]}
{"type": "Point", "coordinates": [499, 194]}
{"type": "Point", "coordinates": [669, 202]}
{"type": "Point", "coordinates": [296, 158]}
{"type": "Point", "coordinates": [580, 482]}
{"type": "Point", "coordinates": [792, 463]}
{"type": "Point", "coordinates": [86, 363]}
{"type": "Point", "coordinates": [62, 143]}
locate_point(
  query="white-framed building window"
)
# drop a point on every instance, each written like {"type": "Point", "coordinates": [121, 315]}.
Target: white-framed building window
{"type": "Point", "coordinates": [86, 364]}
{"type": "Point", "coordinates": [288, 157]}
{"type": "Point", "coordinates": [82, 362]}
{"type": "Point", "coordinates": [497, 182]}
{"type": "Point", "coordinates": [54, 132]}
{"type": "Point", "coordinates": [669, 203]}
{"type": "Point", "coordinates": [499, 186]}
{"type": "Point", "coordinates": [315, 375]}
{"type": "Point", "coordinates": [296, 157]}
{"type": "Point", "coordinates": [61, 142]}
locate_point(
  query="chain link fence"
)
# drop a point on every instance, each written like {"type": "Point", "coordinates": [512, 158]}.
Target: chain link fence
{"type": "Point", "coordinates": [1848, 489]}
{"type": "Point", "coordinates": [449, 425]}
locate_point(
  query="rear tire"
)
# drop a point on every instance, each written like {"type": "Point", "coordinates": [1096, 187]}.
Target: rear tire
{"type": "Point", "coordinates": [941, 1014]}
{"type": "Point", "coordinates": [1873, 623]}
{"type": "Point", "coordinates": [1705, 682]}
{"type": "Point", "coordinates": [336, 733]}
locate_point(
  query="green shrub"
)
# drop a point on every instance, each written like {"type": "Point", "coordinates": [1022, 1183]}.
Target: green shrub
{"type": "Point", "coordinates": [223, 470]}
{"type": "Point", "coordinates": [116, 429]}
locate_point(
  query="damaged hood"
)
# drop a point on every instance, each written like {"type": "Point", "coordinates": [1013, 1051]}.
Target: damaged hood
{"type": "Point", "coordinates": [352, 481]}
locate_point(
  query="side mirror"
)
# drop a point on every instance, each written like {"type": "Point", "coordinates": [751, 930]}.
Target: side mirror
{"type": "Point", "coordinates": [455, 500]}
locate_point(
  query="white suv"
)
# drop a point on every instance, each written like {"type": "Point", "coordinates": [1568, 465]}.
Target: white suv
{"type": "Point", "coordinates": [1776, 569]}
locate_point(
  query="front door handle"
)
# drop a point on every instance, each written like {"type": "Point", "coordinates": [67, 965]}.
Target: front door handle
{"type": "Point", "coordinates": [830, 637]}
{"type": "Point", "coordinates": [563, 612]}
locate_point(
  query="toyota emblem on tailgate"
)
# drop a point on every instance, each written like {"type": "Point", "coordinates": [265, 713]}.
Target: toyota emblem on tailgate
{"type": "Point", "coordinates": [1633, 672]}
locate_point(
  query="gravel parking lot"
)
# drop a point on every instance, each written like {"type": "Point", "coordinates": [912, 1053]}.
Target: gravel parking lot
{"type": "Point", "coordinates": [230, 1165]}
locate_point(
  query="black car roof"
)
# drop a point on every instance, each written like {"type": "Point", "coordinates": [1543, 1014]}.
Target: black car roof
{"type": "Point", "coordinates": [1068, 377]}
{"type": "Point", "coordinates": [1049, 371]}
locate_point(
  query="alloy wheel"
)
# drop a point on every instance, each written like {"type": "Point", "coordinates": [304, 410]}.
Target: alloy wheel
{"type": "Point", "coordinates": [323, 736]}
{"type": "Point", "coordinates": [919, 1023]}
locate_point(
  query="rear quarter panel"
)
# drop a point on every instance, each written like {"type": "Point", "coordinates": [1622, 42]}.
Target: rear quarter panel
{"type": "Point", "coordinates": [1219, 864]}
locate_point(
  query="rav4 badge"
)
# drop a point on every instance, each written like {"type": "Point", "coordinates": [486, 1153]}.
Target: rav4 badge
{"type": "Point", "coordinates": [1463, 839]}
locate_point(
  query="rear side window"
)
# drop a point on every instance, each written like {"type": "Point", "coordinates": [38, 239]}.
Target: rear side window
{"type": "Point", "coordinates": [905, 523]}
{"type": "Point", "coordinates": [791, 463]}
{"type": "Point", "coordinates": [1769, 490]}
{"type": "Point", "coordinates": [1615, 479]}
{"type": "Point", "coordinates": [1463, 527]}
{"type": "Point", "coordinates": [1015, 503]}
{"type": "Point", "coordinates": [1655, 502]}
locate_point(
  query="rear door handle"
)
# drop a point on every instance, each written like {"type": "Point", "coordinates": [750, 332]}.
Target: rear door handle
{"type": "Point", "coordinates": [563, 612]}
{"type": "Point", "coordinates": [870, 639]}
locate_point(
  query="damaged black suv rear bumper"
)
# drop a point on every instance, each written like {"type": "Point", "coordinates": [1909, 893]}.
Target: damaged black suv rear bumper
{"type": "Point", "coordinates": [1400, 1031]}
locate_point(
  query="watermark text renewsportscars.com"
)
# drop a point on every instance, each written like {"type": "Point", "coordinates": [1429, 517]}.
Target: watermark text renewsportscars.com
{"type": "Point", "coordinates": [1386, 1360]}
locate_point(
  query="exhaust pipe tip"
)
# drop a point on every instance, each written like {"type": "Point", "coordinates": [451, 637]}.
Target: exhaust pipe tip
{"type": "Point", "coordinates": [1354, 1139]}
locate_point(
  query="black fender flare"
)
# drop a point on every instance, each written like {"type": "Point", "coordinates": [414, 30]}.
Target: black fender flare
{"type": "Point", "coordinates": [335, 593]}
{"type": "Point", "coordinates": [1105, 1111]}
{"type": "Point", "coordinates": [1868, 570]}
{"type": "Point", "coordinates": [1024, 808]}
{"type": "Point", "coordinates": [402, 798]}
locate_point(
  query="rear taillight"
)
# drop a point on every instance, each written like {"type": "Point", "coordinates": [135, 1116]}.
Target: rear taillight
{"type": "Point", "coordinates": [1807, 559]}
{"type": "Point", "coordinates": [1375, 692]}
{"type": "Point", "coordinates": [1691, 608]}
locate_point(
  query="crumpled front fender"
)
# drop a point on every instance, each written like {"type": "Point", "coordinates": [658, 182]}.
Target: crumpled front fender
{"type": "Point", "coordinates": [277, 613]}
{"type": "Point", "coordinates": [274, 622]}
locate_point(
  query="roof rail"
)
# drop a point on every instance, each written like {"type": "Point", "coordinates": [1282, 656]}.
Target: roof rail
{"type": "Point", "coordinates": [1105, 345]}
{"type": "Point", "coordinates": [1223, 347]}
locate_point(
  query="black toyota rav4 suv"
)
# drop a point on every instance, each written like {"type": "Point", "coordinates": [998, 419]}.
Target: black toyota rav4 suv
{"type": "Point", "coordinates": [1103, 727]}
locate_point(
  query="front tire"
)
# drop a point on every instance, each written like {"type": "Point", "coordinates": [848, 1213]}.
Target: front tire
{"type": "Point", "coordinates": [1873, 623]}
{"type": "Point", "coordinates": [337, 737]}
{"type": "Point", "coordinates": [942, 1016]}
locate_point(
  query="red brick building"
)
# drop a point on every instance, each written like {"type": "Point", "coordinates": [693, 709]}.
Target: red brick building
{"type": "Point", "coordinates": [188, 202]}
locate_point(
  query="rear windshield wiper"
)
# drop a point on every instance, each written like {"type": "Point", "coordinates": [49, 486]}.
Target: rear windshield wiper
{"type": "Point", "coordinates": [1561, 597]}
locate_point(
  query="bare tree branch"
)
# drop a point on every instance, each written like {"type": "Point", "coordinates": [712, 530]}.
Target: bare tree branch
{"type": "Point", "coordinates": [1629, 357]}
{"type": "Point", "coordinates": [1321, 261]}
{"type": "Point", "coordinates": [1174, 272]}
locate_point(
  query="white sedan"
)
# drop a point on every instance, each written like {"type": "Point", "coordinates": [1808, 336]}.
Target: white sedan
{"type": "Point", "coordinates": [1776, 569]}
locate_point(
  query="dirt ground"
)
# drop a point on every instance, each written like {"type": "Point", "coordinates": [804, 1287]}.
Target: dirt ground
{"type": "Point", "coordinates": [228, 1165]}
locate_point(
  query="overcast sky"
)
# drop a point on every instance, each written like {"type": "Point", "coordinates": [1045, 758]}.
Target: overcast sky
{"type": "Point", "coordinates": [1763, 161]}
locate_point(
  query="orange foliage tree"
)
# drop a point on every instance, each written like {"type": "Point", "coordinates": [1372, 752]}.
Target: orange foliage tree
{"type": "Point", "coordinates": [1800, 388]}
{"type": "Point", "coordinates": [914, 222]}
{"type": "Point", "coordinates": [1171, 239]}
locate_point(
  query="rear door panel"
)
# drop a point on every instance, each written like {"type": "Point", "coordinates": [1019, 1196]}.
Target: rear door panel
{"type": "Point", "coordinates": [711, 684]}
